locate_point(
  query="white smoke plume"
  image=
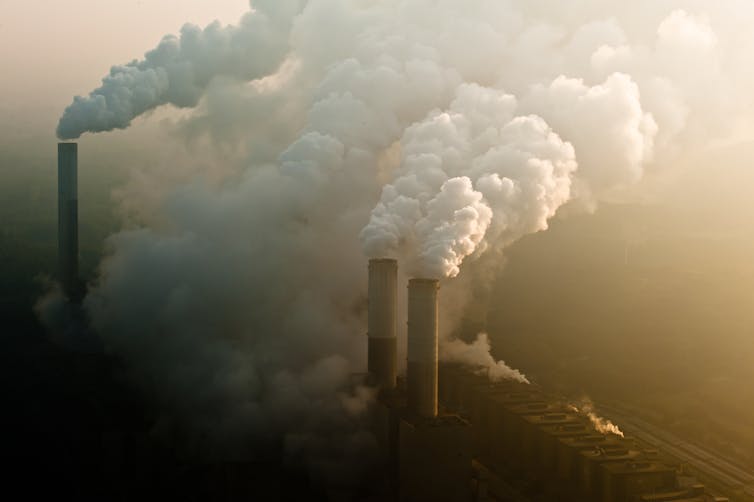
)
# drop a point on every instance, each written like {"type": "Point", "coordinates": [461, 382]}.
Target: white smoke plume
{"type": "Point", "coordinates": [476, 356]}
{"type": "Point", "coordinates": [474, 170]}
{"type": "Point", "coordinates": [479, 175]}
{"type": "Point", "coordinates": [602, 425]}
{"type": "Point", "coordinates": [439, 131]}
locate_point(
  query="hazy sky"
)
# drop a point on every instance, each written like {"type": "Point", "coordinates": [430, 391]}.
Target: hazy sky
{"type": "Point", "coordinates": [51, 49]}
{"type": "Point", "coordinates": [259, 193]}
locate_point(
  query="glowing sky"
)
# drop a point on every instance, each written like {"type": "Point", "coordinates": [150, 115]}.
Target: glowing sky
{"type": "Point", "coordinates": [53, 49]}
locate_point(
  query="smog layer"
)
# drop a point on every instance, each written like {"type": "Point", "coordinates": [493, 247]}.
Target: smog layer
{"type": "Point", "coordinates": [434, 132]}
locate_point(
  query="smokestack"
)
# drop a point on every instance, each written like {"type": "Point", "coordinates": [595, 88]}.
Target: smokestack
{"type": "Point", "coordinates": [383, 292]}
{"type": "Point", "coordinates": [422, 346]}
{"type": "Point", "coordinates": [68, 226]}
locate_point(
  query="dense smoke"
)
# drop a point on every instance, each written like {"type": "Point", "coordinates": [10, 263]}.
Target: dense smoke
{"type": "Point", "coordinates": [179, 69]}
{"type": "Point", "coordinates": [439, 131]}
{"type": "Point", "coordinates": [478, 175]}
{"type": "Point", "coordinates": [470, 177]}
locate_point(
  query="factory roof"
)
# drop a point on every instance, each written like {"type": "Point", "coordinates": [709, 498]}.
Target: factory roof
{"type": "Point", "coordinates": [611, 455]}
{"type": "Point", "coordinates": [568, 430]}
{"type": "Point", "coordinates": [532, 408]}
{"type": "Point", "coordinates": [552, 418]}
{"type": "Point", "coordinates": [586, 442]}
{"type": "Point", "coordinates": [518, 398]}
{"type": "Point", "coordinates": [633, 467]}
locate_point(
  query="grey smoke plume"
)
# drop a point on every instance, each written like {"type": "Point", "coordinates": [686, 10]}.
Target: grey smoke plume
{"type": "Point", "coordinates": [179, 69]}
{"type": "Point", "coordinates": [439, 131]}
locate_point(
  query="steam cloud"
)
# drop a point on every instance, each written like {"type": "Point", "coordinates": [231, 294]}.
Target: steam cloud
{"type": "Point", "coordinates": [439, 131]}
{"type": "Point", "coordinates": [478, 175]}
{"type": "Point", "coordinates": [470, 177]}
{"type": "Point", "coordinates": [476, 356]}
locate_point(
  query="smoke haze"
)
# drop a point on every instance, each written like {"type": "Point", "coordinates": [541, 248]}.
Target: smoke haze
{"type": "Point", "coordinates": [439, 132]}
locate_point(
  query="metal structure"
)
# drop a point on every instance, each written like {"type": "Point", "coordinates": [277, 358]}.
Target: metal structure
{"type": "Point", "coordinates": [422, 346]}
{"type": "Point", "coordinates": [383, 344]}
{"type": "Point", "coordinates": [68, 226]}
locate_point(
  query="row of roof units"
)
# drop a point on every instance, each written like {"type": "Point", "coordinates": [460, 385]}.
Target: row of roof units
{"type": "Point", "coordinates": [521, 432]}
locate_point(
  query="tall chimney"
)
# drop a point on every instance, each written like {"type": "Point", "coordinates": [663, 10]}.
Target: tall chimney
{"type": "Point", "coordinates": [68, 226]}
{"type": "Point", "coordinates": [422, 346]}
{"type": "Point", "coordinates": [383, 346]}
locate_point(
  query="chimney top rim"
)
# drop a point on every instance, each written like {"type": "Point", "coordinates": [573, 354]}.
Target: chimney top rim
{"type": "Point", "coordinates": [383, 260]}
{"type": "Point", "coordinates": [424, 282]}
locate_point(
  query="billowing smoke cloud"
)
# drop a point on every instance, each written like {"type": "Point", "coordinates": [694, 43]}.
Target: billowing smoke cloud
{"type": "Point", "coordinates": [438, 131]}
{"type": "Point", "coordinates": [179, 69]}
{"type": "Point", "coordinates": [612, 134]}
{"type": "Point", "coordinates": [479, 169]}
{"type": "Point", "coordinates": [474, 170]}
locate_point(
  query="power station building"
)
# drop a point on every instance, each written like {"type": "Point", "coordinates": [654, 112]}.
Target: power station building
{"type": "Point", "coordinates": [449, 435]}
{"type": "Point", "coordinates": [445, 433]}
{"type": "Point", "coordinates": [428, 453]}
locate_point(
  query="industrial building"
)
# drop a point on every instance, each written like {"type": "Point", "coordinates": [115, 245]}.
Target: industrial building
{"type": "Point", "coordinates": [445, 433]}
{"type": "Point", "coordinates": [428, 453]}
{"type": "Point", "coordinates": [448, 434]}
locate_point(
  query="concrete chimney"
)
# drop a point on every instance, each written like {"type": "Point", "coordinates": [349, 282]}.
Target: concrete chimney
{"type": "Point", "coordinates": [422, 346]}
{"type": "Point", "coordinates": [68, 226]}
{"type": "Point", "coordinates": [383, 346]}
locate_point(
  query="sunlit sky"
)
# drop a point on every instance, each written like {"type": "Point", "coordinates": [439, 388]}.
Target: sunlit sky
{"type": "Point", "coordinates": [53, 49]}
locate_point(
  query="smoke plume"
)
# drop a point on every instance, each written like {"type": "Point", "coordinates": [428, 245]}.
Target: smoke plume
{"type": "Point", "coordinates": [479, 175]}
{"type": "Point", "coordinates": [179, 69]}
{"type": "Point", "coordinates": [438, 131]}
{"type": "Point", "coordinates": [476, 356]}
{"type": "Point", "coordinates": [602, 425]}
{"type": "Point", "coordinates": [473, 170]}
